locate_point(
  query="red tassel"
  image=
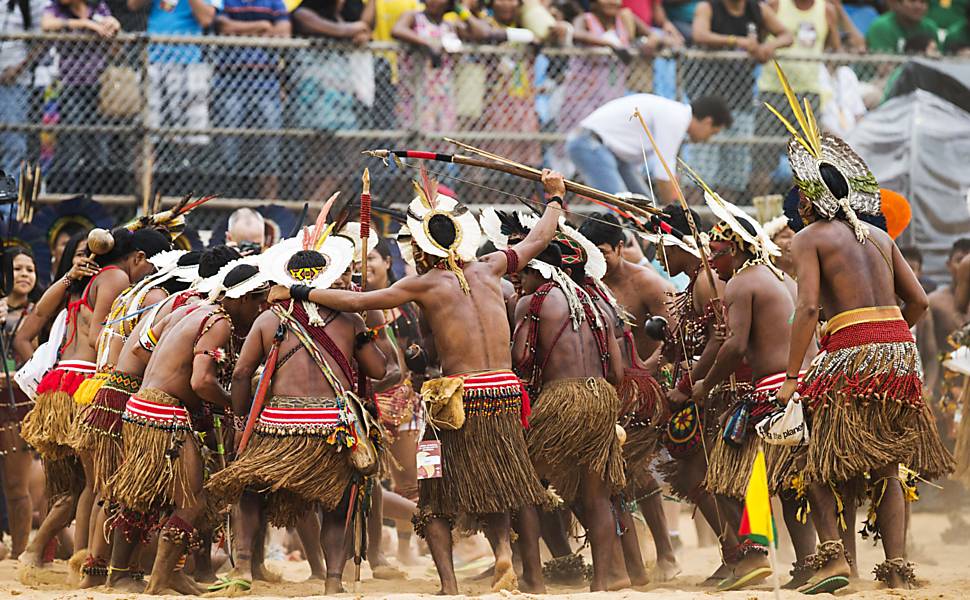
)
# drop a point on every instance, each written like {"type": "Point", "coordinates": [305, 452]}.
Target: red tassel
{"type": "Point", "coordinates": [526, 406]}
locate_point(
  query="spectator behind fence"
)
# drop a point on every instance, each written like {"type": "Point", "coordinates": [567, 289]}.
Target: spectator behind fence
{"type": "Point", "coordinates": [80, 155]}
{"type": "Point", "coordinates": [814, 26]}
{"type": "Point", "coordinates": [508, 80]}
{"type": "Point", "coordinates": [607, 149]}
{"type": "Point", "coordinates": [888, 33]}
{"type": "Point", "coordinates": [681, 14]}
{"type": "Point", "coordinates": [958, 35]}
{"type": "Point", "coordinates": [947, 13]}
{"type": "Point", "coordinates": [653, 15]}
{"type": "Point", "coordinates": [246, 231]}
{"type": "Point", "coordinates": [380, 16]}
{"type": "Point", "coordinates": [178, 94]}
{"type": "Point", "coordinates": [18, 16]}
{"type": "Point", "coordinates": [850, 35]}
{"type": "Point", "coordinates": [430, 71]}
{"type": "Point", "coordinates": [592, 81]}
{"type": "Point", "coordinates": [247, 90]}
{"type": "Point", "coordinates": [746, 25]}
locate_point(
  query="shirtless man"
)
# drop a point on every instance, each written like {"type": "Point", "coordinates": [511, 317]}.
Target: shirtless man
{"type": "Point", "coordinates": [190, 366]}
{"type": "Point", "coordinates": [312, 374]}
{"type": "Point", "coordinates": [692, 328]}
{"type": "Point", "coordinates": [570, 360]}
{"type": "Point", "coordinates": [947, 317]}
{"type": "Point", "coordinates": [757, 298]}
{"type": "Point", "coordinates": [865, 396]}
{"type": "Point", "coordinates": [485, 463]}
{"type": "Point", "coordinates": [642, 293]}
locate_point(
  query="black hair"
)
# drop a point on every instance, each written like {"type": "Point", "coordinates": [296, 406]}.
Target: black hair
{"type": "Point", "coordinates": [912, 253]}
{"type": "Point", "coordinates": [442, 230]}
{"type": "Point", "coordinates": [306, 259]}
{"type": "Point", "coordinates": [215, 258]}
{"type": "Point", "coordinates": [834, 180]}
{"type": "Point", "coordinates": [961, 245]}
{"type": "Point", "coordinates": [147, 240]}
{"type": "Point", "coordinates": [192, 257]}
{"type": "Point", "coordinates": [71, 229]}
{"type": "Point", "coordinates": [552, 255]}
{"type": "Point", "coordinates": [383, 248]}
{"type": "Point", "coordinates": [714, 107]}
{"type": "Point", "coordinates": [746, 224]}
{"type": "Point", "coordinates": [239, 274]}
{"type": "Point", "coordinates": [603, 228]}
{"type": "Point", "coordinates": [8, 257]}
{"type": "Point", "coordinates": [676, 218]}
{"type": "Point", "coordinates": [918, 43]}
{"type": "Point", "coordinates": [67, 261]}
{"type": "Point", "coordinates": [790, 206]}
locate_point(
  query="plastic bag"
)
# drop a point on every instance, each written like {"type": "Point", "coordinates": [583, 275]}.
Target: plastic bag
{"type": "Point", "coordinates": [785, 428]}
{"type": "Point", "coordinates": [43, 359]}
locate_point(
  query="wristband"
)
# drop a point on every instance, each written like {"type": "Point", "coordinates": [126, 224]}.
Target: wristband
{"type": "Point", "coordinates": [554, 199]}
{"type": "Point", "coordinates": [300, 292]}
{"type": "Point", "coordinates": [791, 377]}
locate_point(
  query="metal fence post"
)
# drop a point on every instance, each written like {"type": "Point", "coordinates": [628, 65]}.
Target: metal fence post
{"type": "Point", "coordinates": [147, 153]}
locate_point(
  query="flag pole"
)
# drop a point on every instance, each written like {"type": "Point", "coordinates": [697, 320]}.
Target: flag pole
{"type": "Point", "coordinates": [773, 563]}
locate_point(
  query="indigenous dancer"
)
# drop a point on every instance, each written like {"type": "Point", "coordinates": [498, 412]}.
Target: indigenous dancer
{"type": "Point", "coordinates": [20, 279]}
{"type": "Point", "coordinates": [400, 406]}
{"type": "Point", "coordinates": [129, 527]}
{"type": "Point", "coordinates": [61, 394]}
{"type": "Point", "coordinates": [302, 446]}
{"type": "Point", "coordinates": [691, 341]}
{"type": "Point", "coordinates": [486, 470]}
{"type": "Point", "coordinates": [634, 294]}
{"type": "Point", "coordinates": [162, 468]}
{"type": "Point", "coordinates": [758, 296]}
{"type": "Point", "coordinates": [864, 392]}
{"type": "Point", "coordinates": [566, 353]}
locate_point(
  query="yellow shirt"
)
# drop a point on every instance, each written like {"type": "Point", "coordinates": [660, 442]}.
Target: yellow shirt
{"type": "Point", "coordinates": [810, 29]}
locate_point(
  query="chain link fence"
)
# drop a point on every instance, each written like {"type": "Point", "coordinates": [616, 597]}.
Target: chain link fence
{"type": "Point", "coordinates": [286, 119]}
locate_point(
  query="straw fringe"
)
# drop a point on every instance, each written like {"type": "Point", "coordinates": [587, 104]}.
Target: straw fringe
{"type": "Point", "coordinates": [152, 475]}
{"type": "Point", "coordinates": [573, 431]}
{"type": "Point", "coordinates": [729, 468]}
{"type": "Point", "coordinates": [294, 470]}
{"type": "Point", "coordinates": [643, 442]}
{"type": "Point", "coordinates": [97, 431]}
{"type": "Point", "coordinates": [63, 477]}
{"type": "Point", "coordinates": [486, 468]}
{"type": "Point", "coordinates": [47, 427]}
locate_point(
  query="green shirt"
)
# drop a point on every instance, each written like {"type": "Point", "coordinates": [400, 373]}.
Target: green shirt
{"type": "Point", "coordinates": [947, 13]}
{"type": "Point", "coordinates": [887, 36]}
{"type": "Point", "coordinates": [957, 35]}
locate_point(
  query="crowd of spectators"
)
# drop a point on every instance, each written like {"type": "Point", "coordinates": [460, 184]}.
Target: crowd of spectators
{"type": "Point", "coordinates": [247, 87]}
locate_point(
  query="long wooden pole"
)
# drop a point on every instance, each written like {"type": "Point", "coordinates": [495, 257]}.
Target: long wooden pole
{"type": "Point", "coordinates": [518, 171]}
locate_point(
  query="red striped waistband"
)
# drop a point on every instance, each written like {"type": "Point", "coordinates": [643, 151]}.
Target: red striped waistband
{"type": "Point", "coordinates": [153, 411]}
{"type": "Point", "coordinates": [773, 382]}
{"type": "Point", "coordinates": [322, 415]}
{"type": "Point", "coordinates": [78, 366]}
{"type": "Point", "coordinates": [491, 379]}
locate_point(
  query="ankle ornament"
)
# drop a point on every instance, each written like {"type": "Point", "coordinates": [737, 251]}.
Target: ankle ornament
{"type": "Point", "coordinates": [906, 570]}
{"type": "Point", "coordinates": [825, 553]}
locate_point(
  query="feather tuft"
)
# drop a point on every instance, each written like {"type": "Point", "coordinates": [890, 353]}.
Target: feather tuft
{"type": "Point", "coordinates": [318, 227]}
{"type": "Point", "coordinates": [430, 186]}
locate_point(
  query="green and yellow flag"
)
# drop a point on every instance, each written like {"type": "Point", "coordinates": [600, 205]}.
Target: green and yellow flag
{"type": "Point", "coordinates": [757, 523]}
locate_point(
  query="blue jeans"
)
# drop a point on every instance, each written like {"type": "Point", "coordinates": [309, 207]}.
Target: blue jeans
{"type": "Point", "coordinates": [13, 111]}
{"type": "Point", "coordinates": [601, 169]}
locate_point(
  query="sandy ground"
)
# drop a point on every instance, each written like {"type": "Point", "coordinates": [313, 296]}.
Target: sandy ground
{"type": "Point", "coordinates": [944, 571]}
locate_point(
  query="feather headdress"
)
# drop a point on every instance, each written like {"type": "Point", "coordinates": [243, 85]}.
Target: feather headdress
{"type": "Point", "coordinates": [821, 162]}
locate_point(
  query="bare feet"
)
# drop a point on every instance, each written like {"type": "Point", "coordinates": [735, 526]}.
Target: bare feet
{"type": "Point", "coordinates": [619, 583]}
{"type": "Point", "coordinates": [261, 572]}
{"type": "Point", "coordinates": [127, 585]}
{"type": "Point", "coordinates": [90, 581]}
{"type": "Point", "coordinates": [504, 578]}
{"type": "Point", "coordinates": [666, 569]}
{"type": "Point", "coordinates": [387, 571]}
{"type": "Point", "coordinates": [333, 585]}
{"type": "Point", "coordinates": [31, 558]}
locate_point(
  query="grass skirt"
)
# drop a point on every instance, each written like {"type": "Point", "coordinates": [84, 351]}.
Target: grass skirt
{"type": "Point", "coordinates": [867, 411]}
{"type": "Point", "coordinates": [152, 475]}
{"type": "Point", "coordinates": [97, 429]}
{"type": "Point", "coordinates": [63, 477]}
{"type": "Point", "coordinates": [574, 432]}
{"type": "Point", "coordinates": [293, 467]}
{"type": "Point", "coordinates": [10, 417]}
{"type": "Point", "coordinates": [485, 464]}
{"type": "Point", "coordinates": [48, 427]}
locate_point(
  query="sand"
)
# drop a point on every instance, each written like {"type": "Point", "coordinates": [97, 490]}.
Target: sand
{"type": "Point", "coordinates": [943, 570]}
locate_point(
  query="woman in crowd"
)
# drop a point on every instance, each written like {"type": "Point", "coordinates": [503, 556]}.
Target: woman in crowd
{"type": "Point", "coordinates": [401, 408]}
{"type": "Point", "coordinates": [20, 285]}
{"type": "Point", "coordinates": [81, 64]}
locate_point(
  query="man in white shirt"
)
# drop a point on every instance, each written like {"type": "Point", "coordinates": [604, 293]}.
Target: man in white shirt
{"type": "Point", "coordinates": [608, 147]}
